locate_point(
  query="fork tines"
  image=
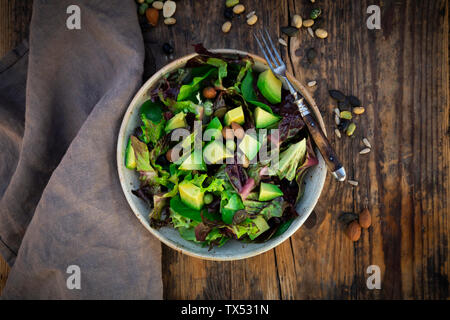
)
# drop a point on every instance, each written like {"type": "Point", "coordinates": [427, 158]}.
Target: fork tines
{"type": "Point", "coordinates": [275, 62]}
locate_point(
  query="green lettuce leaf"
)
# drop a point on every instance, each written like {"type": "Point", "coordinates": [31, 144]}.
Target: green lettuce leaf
{"type": "Point", "coordinates": [290, 159]}
{"type": "Point", "coordinates": [222, 69]}
{"type": "Point", "coordinates": [249, 93]}
{"type": "Point", "coordinates": [188, 90]}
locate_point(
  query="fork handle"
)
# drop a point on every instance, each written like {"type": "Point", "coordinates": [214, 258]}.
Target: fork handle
{"type": "Point", "coordinates": [325, 148]}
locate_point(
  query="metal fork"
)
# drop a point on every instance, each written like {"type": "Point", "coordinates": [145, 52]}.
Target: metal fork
{"type": "Point", "coordinates": [278, 67]}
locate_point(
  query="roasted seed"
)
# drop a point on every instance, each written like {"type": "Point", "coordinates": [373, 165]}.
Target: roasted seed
{"type": "Point", "coordinates": [289, 31]}
{"type": "Point", "coordinates": [337, 95]}
{"type": "Point", "coordinates": [209, 93]}
{"type": "Point", "coordinates": [338, 133]}
{"type": "Point", "coordinates": [364, 151]}
{"type": "Point", "coordinates": [238, 9]}
{"type": "Point", "coordinates": [140, 1]}
{"type": "Point", "coordinates": [353, 231]}
{"type": "Point", "coordinates": [337, 120]}
{"type": "Point", "coordinates": [365, 219]}
{"type": "Point", "coordinates": [170, 21]}
{"type": "Point", "coordinates": [311, 32]}
{"type": "Point", "coordinates": [346, 115]}
{"type": "Point", "coordinates": [354, 101]}
{"type": "Point", "coordinates": [337, 112]}
{"type": "Point", "coordinates": [312, 1]}
{"type": "Point", "coordinates": [297, 21]}
{"type": "Point", "coordinates": [252, 20]}
{"type": "Point", "coordinates": [308, 23]}
{"type": "Point", "coordinates": [282, 42]}
{"type": "Point", "coordinates": [158, 5]}
{"type": "Point", "coordinates": [321, 33]}
{"type": "Point", "coordinates": [358, 110]}
{"type": "Point", "coordinates": [226, 27]}
{"type": "Point", "coordinates": [353, 182]}
{"type": "Point", "coordinates": [366, 143]}
{"type": "Point", "coordinates": [311, 55]}
{"type": "Point", "coordinates": [312, 83]}
{"type": "Point", "coordinates": [169, 8]}
{"type": "Point", "coordinates": [315, 13]}
{"type": "Point", "coordinates": [231, 3]}
{"type": "Point", "coordinates": [237, 130]}
{"type": "Point", "coordinates": [227, 133]}
{"type": "Point", "coordinates": [251, 14]}
{"type": "Point", "coordinates": [351, 129]}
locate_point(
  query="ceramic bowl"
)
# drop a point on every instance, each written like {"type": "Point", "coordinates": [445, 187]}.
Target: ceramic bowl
{"type": "Point", "coordinates": [232, 250]}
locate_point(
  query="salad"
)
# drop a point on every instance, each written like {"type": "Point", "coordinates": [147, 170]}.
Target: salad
{"type": "Point", "coordinates": [221, 151]}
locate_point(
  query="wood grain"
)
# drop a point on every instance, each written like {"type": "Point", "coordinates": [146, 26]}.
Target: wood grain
{"type": "Point", "coordinates": [401, 75]}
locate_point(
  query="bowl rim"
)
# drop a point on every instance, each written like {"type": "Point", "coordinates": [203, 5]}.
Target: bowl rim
{"type": "Point", "coordinates": [175, 64]}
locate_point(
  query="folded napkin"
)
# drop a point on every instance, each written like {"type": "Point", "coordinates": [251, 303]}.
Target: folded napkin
{"type": "Point", "coordinates": [61, 204]}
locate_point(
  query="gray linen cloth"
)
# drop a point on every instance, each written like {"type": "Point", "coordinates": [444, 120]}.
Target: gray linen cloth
{"type": "Point", "coordinates": [61, 204]}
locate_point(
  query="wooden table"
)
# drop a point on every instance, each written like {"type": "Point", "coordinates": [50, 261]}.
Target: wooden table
{"type": "Point", "coordinates": [401, 74]}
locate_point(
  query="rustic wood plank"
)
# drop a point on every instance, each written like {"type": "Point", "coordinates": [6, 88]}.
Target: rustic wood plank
{"type": "Point", "coordinates": [401, 74]}
{"type": "Point", "coordinates": [15, 16]}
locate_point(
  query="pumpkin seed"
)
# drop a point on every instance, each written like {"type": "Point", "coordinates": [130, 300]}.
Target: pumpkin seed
{"type": "Point", "coordinates": [282, 42]}
{"type": "Point", "coordinates": [142, 8]}
{"type": "Point", "coordinates": [289, 31]}
{"type": "Point", "coordinates": [337, 95]}
{"type": "Point", "coordinates": [312, 83]}
{"type": "Point", "coordinates": [337, 112]}
{"type": "Point", "coordinates": [228, 13]}
{"type": "Point", "coordinates": [158, 5]}
{"type": "Point", "coordinates": [337, 133]}
{"type": "Point", "coordinates": [364, 151]}
{"type": "Point", "coordinates": [344, 105]}
{"type": "Point", "coordinates": [311, 55]}
{"type": "Point", "coordinates": [170, 21]}
{"type": "Point", "coordinates": [354, 101]}
{"type": "Point", "coordinates": [351, 129]}
{"type": "Point", "coordinates": [315, 13]}
{"type": "Point", "coordinates": [311, 32]}
{"type": "Point", "coordinates": [252, 20]}
{"type": "Point", "coordinates": [297, 21]}
{"type": "Point", "coordinates": [169, 8]}
{"type": "Point", "coordinates": [321, 33]}
{"type": "Point", "coordinates": [231, 3]}
{"type": "Point", "coordinates": [366, 143]}
{"type": "Point", "coordinates": [358, 110]}
{"type": "Point", "coordinates": [308, 23]}
{"type": "Point", "coordinates": [226, 27]}
{"type": "Point", "coordinates": [238, 9]}
{"type": "Point", "coordinates": [346, 115]}
{"type": "Point", "coordinates": [353, 182]}
{"type": "Point", "coordinates": [337, 120]}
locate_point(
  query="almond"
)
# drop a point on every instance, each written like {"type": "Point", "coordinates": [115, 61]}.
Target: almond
{"type": "Point", "coordinates": [353, 231]}
{"type": "Point", "coordinates": [209, 93]}
{"type": "Point", "coordinates": [365, 219]}
{"type": "Point", "coordinates": [227, 133]}
{"type": "Point", "coordinates": [238, 130]}
{"type": "Point", "coordinates": [152, 15]}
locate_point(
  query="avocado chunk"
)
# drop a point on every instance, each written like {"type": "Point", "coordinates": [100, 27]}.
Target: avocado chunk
{"type": "Point", "coordinates": [249, 146]}
{"type": "Point", "coordinates": [262, 226]}
{"type": "Point", "coordinates": [270, 86]}
{"type": "Point", "coordinates": [177, 121]}
{"type": "Point", "coordinates": [214, 129]}
{"type": "Point", "coordinates": [191, 195]}
{"type": "Point", "coordinates": [130, 157]}
{"type": "Point", "coordinates": [215, 152]}
{"type": "Point", "coordinates": [264, 119]}
{"type": "Point", "coordinates": [193, 162]}
{"type": "Point", "coordinates": [234, 115]}
{"type": "Point", "coordinates": [269, 191]}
